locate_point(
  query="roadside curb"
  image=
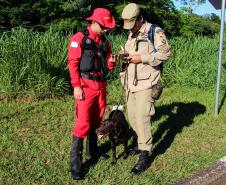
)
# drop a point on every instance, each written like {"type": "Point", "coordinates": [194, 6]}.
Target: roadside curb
{"type": "Point", "coordinates": [206, 176]}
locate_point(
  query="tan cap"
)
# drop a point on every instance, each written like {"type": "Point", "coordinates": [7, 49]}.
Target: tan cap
{"type": "Point", "coordinates": [130, 14]}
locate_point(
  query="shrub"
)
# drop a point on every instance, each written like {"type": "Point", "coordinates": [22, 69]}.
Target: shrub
{"type": "Point", "coordinates": [193, 25]}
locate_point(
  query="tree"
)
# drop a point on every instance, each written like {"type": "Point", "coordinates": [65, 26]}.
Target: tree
{"type": "Point", "coordinates": [193, 25]}
{"type": "Point", "coordinates": [213, 17]}
{"type": "Point", "coordinates": [39, 14]}
{"type": "Point", "coordinates": [189, 5]}
{"type": "Point", "coordinates": [70, 15]}
{"type": "Point", "coordinates": [15, 13]}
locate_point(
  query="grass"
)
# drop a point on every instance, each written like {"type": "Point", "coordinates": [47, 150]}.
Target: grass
{"type": "Point", "coordinates": [36, 136]}
{"type": "Point", "coordinates": [35, 64]}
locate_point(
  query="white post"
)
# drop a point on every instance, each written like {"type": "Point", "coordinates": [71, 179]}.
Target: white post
{"type": "Point", "coordinates": [220, 56]}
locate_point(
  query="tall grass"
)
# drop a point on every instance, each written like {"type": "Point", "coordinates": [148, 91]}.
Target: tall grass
{"type": "Point", "coordinates": [33, 63]}
{"type": "Point", "coordinates": [194, 62]}
{"type": "Point", "coordinates": [117, 41]}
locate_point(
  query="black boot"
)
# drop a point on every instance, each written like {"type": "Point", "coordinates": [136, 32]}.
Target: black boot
{"type": "Point", "coordinates": [92, 150]}
{"type": "Point", "coordinates": [91, 145]}
{"type": "Point", "coordinates": [142, 163]}
{"type": "Point", "coordinates": [76, 157]}
{"type": "Point", "coordinates": [134, 151]}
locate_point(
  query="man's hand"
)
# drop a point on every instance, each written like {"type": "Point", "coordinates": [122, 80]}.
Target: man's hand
{"type": "Point", "coordinates": [114, 58]}
{"type": "Point", "coordinates": [78, 93]}
{"type": "Point", "coordinates": [136, 59]}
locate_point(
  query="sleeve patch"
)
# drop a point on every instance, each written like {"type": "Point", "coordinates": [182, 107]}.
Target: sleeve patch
{"type": "Point", "coordinates": [74, 44]}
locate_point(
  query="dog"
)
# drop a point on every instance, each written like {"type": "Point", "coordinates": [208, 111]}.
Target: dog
{"type": "Point", "coordinates": [117, 128]}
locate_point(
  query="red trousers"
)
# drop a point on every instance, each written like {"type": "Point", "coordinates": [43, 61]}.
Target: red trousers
{"type": "Point", "coordinates": [89, 111]}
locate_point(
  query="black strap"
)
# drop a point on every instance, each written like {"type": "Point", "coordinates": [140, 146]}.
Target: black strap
{"type": "Point", "coordinates": [92, 77]}
{"type": "Point", "coordinates": [86, 32]}
{"type": "Point", "coordinates": [137, 43]}
{"type": "Point", "coordinates": [151, 35]}
{"type": "Point", "coordinates": [87, 42]}
{"type": "Point", "coordinates": [135, 81]}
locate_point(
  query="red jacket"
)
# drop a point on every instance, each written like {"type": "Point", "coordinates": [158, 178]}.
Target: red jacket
{"type": "Point", "coordinates": [74, 56]}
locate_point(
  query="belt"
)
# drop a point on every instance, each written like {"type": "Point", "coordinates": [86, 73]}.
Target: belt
{"type": "Point", "coordinates": [92, 77]}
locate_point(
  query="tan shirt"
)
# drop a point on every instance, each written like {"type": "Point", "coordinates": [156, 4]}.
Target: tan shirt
{"type": "Point", "coordinates": [148, 71]}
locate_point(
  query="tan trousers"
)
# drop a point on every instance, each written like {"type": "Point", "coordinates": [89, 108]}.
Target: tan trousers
{"type": "Point", "coordinates": [140, 107]}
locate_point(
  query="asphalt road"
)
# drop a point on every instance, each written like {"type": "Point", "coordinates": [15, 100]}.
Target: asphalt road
{"type": "Point", "coordinates": [213, 175]}
{"type": "Point", "coordinates": [220, 181]}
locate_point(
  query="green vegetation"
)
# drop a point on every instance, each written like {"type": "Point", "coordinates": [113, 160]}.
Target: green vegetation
{"type": "Point", "coordinates": [35, 64]}
{"type": "Point", "coordinates": [65, 15]}
{"type": "Point", "coordinates": [193, 25]}
{"type": "Point", "coordinates": [194, 62]}
{"type": "Point", "coordinates": [36, 111]}
{"type": "Point", "coordinates": [36, 136]}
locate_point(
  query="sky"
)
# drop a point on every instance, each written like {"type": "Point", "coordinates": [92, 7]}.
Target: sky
{"type": "Point", "coordinates": [203, 9]}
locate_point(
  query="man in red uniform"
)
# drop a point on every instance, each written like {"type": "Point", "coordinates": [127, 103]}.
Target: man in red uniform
{"type": "Point", "coordinates": [89, 60]}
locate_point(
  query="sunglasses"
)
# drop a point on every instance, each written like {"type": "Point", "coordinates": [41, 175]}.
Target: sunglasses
{"type": "Point", "coordinates": [102, 27]}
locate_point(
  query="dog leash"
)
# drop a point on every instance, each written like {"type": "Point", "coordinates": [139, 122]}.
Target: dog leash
{"type": "Point", "coordinates": [126, 77]}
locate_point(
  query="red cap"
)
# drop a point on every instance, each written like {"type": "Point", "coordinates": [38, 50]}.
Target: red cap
{"type": "Point", "coordinates": [103, 17]}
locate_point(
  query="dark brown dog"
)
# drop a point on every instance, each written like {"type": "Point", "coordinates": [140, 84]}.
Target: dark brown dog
{"type": "Point", "coordinates": [117, 128]}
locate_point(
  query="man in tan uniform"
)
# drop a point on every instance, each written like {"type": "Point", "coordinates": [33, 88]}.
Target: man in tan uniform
{"type": "Point", "coordinates": [142, 73]}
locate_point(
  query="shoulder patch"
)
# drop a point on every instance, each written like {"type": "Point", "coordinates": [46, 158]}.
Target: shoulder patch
{"type": "Point", "coordinates": [74, 44]}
